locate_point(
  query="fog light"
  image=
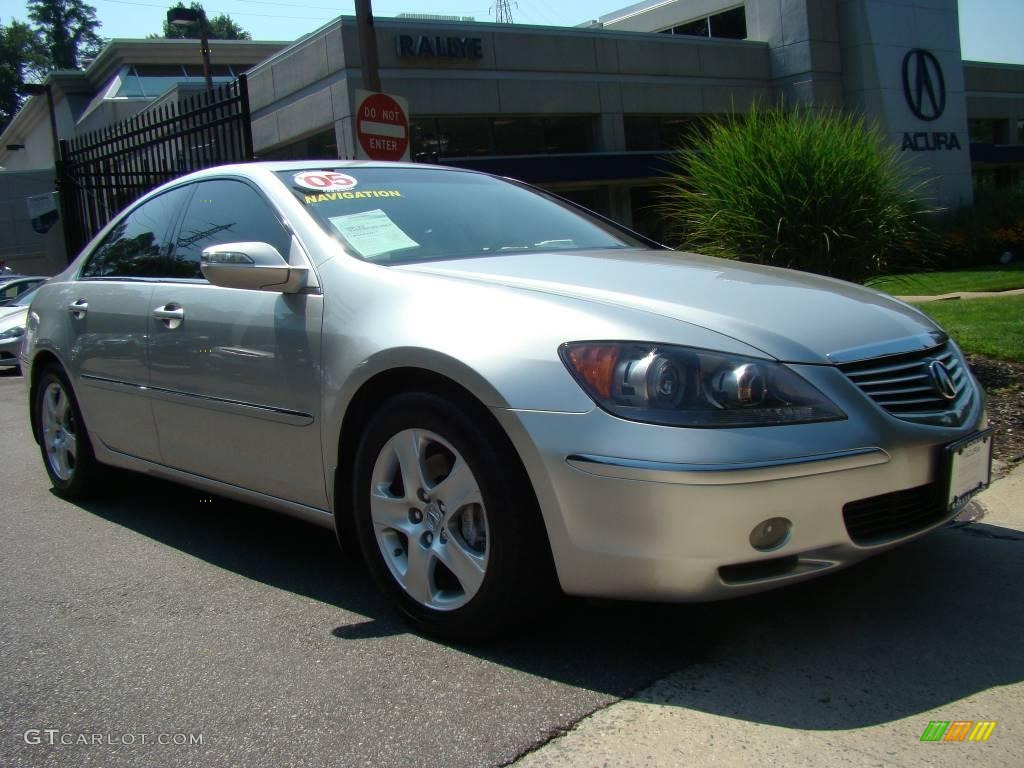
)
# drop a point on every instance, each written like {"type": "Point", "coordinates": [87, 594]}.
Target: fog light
{"type": "Point", "coordinates": [771, 534]}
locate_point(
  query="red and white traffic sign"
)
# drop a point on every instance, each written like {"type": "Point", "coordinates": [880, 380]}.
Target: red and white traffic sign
{"type": "Point", "coordinates": [382, 126]}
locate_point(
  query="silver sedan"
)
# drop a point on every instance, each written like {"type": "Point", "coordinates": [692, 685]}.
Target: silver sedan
{"type": "Point", "coordinates": [494, 395]}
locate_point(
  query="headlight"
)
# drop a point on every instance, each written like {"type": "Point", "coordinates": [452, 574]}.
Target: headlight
{"type": "Point", "coordinates": [685, 387]}
{"type": "Point", "coordinates": [12, 333]}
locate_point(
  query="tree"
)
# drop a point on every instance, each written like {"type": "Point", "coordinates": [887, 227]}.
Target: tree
{"type": "Point", "coordinates": [819, 191]}
{"type": "Point", "coordinates": [22, 58]}
{"type": "Point", "coordinates": [68, 29]}
{"type": "Point", "coordinates": [220, 27]}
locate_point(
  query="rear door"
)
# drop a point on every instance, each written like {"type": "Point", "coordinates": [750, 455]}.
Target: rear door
{"type": "Point", "coordinates": [107, 314]}
{"type": "Point", "coordinates": [235, 374]}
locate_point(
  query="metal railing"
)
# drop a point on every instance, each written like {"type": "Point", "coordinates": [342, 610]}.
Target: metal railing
{"type": "Point", "coordinates": [101, 172]}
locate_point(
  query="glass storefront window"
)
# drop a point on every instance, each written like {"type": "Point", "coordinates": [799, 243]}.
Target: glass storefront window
{"type": "Point", "coordinates": [433, 138]}
{"type": "Point", "coordinates": [989, 131]}
{"type": "Point", "coordinates": [653, 132]}
{"type": "Point", "coordinates": [568, 134]}
{"type": "Point", "coordinates": [518, 136]}
{"type": "Point", "coordinates": [465, 136]}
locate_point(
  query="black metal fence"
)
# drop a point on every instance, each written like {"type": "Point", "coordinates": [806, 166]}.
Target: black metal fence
{"type": "Point", "coordinates": [102, 172]}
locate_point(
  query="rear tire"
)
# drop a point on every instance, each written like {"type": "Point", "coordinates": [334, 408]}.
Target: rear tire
{"type": "Point", "coordinates": [447, 522]}
{"type": "Point", "coordinates": [63, 439]}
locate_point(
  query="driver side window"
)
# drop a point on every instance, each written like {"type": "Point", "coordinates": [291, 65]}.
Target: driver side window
{"type": "Point", "coordinates": [227, 211]}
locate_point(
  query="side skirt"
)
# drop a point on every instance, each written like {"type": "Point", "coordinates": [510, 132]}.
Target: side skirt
{"type": "Point", "coordinates": [319, 517]}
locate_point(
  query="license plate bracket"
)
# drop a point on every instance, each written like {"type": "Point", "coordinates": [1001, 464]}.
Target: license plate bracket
{"type": "Point", "coordinates": [968, 468]}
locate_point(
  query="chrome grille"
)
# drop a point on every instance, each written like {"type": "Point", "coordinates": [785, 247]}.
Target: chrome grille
{"type": "Point", "coordinates": [904, 385]}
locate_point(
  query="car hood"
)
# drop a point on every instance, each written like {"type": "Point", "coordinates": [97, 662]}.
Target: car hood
{"type": "Point", "coordinates": [792, 316]}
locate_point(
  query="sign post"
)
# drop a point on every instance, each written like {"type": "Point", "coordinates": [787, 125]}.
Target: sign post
{"type": "Point", "coordinates": [381, 126]}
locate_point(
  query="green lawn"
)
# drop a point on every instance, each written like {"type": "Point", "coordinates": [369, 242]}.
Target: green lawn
{"type": "Point", "coordinates": [935, 283]}
{"type": "Point", "coordinates": [991, 326]}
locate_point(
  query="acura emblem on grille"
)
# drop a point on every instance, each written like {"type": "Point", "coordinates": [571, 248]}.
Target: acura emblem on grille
{"type": "Point", "coordinates": [942, 380]}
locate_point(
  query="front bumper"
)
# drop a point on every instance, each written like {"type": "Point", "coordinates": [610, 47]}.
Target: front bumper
{"type": "Point", "coordinates": [647, 512]}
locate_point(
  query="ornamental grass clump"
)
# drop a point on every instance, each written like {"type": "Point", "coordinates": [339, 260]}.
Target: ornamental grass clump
{"type": "Point", "coordinates": [816, 191]}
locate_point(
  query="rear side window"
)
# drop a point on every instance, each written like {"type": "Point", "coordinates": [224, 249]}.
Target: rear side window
{"type": "Point", "coordinates": [226, 211]}
{"type": "Point", "coordinates": [138, 246]}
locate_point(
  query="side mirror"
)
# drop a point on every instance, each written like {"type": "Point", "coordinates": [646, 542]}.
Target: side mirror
{"type": "Point", "coordinates": [255, 266]}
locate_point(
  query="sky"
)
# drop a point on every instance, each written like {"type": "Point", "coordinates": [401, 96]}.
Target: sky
{"type": "Point", "coordinates": [990, 30]}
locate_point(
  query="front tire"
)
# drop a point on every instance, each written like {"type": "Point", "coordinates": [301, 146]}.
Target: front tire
{"type": "Point", "coordinates": [63, 439]}
{"type": "Point", "coordinates": [446, 521]}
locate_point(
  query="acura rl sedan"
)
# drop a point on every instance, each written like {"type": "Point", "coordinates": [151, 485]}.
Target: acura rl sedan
{"type": "Point", "coordinates": [495, 395]}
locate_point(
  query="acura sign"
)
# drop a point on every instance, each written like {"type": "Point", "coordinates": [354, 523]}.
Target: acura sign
{"type": "Point", "coordinates": [924, 89]}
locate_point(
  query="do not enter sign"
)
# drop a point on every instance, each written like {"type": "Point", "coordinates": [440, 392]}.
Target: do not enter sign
{"type": "Point", "coordinates": [382, 126]}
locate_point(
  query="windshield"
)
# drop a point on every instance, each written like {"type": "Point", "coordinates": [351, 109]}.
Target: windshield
{"type": "Point", "coordinates": [403, 215]}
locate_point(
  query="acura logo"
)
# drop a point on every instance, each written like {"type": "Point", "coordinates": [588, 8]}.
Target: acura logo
{"type": "Point", "coordinates": [942, 380]}
{"type": "Point", "coordinates": [923, 85]}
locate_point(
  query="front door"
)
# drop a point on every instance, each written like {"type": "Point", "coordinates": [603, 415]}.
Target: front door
{"type": "Point", "coordinates": [235, 374]}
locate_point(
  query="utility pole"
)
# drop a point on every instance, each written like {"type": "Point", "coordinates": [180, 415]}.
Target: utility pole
{"type": "Point", "coordinates": [368, 59]}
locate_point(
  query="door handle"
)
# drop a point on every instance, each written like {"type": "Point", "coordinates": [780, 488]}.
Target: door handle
{"type": "Point", "coordinates": [78, 308]}
{"type": "Point", "coordinates": [171, 315]}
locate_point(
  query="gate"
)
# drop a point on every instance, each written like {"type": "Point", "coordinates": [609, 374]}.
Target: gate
{"type": "Point", "coordinates": [102, 172]}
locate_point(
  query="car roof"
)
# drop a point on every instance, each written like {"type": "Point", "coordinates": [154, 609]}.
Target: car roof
{"type": "Point", "coordinates": [260, 167]}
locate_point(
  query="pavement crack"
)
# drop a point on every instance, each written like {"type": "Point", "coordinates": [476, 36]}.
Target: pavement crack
{"type": "Point", "coordinates": [560, 731]}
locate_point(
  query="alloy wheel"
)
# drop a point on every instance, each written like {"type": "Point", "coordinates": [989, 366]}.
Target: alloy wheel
{"type": "Point", "coordinates": [60, 434]}
{"type": "Point", "coordinates": [429, 519]}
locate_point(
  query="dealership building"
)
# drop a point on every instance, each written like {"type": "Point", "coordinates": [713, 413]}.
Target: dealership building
{"type": "Point", "coordinates": [591, 111]}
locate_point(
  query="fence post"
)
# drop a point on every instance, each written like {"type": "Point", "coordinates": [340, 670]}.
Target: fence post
{"type": "Point", "coordinates": [65, 198]}
{"type": "Point", "coordinates": [246, 117]}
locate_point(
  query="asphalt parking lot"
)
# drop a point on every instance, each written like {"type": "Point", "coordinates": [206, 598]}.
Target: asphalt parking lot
{"type": "Point", "coordinates": [162, 613]}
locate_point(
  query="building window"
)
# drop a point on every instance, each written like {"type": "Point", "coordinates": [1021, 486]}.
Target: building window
{"type": "Point", "coordinates": [319, 146]}
{"type": "Point", "coordinates": [518, 136]}
{"type": "Point", "coordinates": [653, 132]}
{"type": "Point", "coordinates": [152, 80]}
{"type": "Point", "coordinates": [989, 131]}
{"type": "Point", "coordinates": [726, 25]}
{"type": "Point", "coordinates": [436, 137]}
{"type": "Point", "coordinates": [647, 220]}
{"type": "Point", "coordinates": [465, 136]}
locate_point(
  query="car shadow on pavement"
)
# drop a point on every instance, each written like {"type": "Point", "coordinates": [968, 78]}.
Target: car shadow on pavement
{"type": "Point", "coordinates": [921, 627]}
{"type": "Point", "coordinates": [914, 629]}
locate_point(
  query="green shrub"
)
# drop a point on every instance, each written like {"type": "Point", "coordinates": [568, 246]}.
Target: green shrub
{"type": "Point", "coordinates": [815, 191]}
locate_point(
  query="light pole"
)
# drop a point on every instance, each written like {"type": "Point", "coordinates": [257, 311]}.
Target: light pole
{"type": "Point", "coordinates": [186, 17]}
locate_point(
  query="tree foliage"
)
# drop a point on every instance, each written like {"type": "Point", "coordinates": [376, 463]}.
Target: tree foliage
{"type": "Point", "coordinates": [220, 27]}
{"type": "Point", "coordinates": [819, 191]}
{"type": "Point", "coordinates": [23, 58]}
{"type": "Point", "coordinates": [68, 30]}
